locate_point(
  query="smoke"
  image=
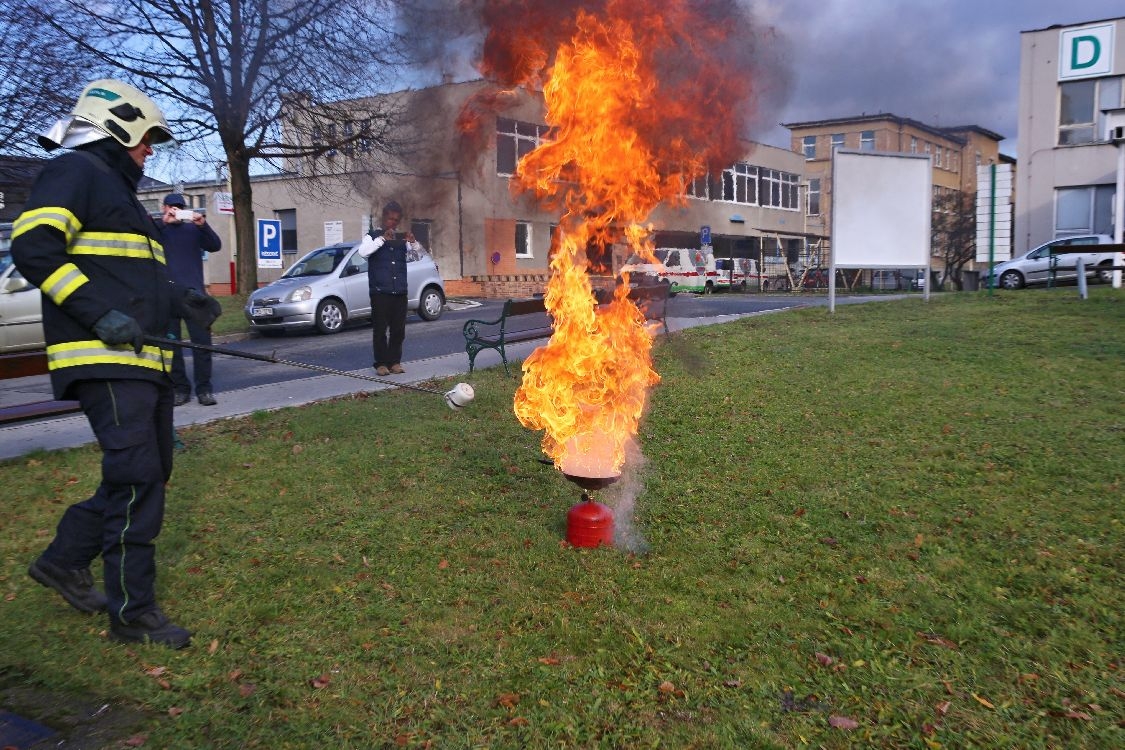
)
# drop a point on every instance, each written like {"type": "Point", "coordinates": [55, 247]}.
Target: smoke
{"type": "Point", "coordinates": [622, 496]}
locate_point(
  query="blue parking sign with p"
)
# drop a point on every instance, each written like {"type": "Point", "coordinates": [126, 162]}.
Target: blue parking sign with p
{"type": "Point", "coordinates": [269, 243]}
{"type": "Point", "coordinates": [705, 235]}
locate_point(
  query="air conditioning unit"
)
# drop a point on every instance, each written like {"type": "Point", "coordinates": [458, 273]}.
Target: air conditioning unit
{"type": "Point", "coordinates": [1117, 134]}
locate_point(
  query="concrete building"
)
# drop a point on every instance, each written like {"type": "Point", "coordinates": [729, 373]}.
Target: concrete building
{"type": "Point", "coordinates": [452, 174]}
{"type": "Point", "coordinates": [955, 153]}
{"type": "Point", "coordinates": [1072, 89]}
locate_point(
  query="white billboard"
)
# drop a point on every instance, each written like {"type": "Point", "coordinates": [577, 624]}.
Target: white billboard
{"type": "Point", "coordinates": [880, 209]}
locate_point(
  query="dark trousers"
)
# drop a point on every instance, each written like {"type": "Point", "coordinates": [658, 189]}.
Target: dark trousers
{"type": "Point", "coordinates": [132, 420]}
{"type": "Point", "coordinates": [200, 360]}
{"type": "Point", "coordinates": [388, 319]}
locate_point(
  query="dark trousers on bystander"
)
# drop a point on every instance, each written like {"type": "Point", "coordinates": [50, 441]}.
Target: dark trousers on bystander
{"type": "Point", "coordinates": [388, 321]}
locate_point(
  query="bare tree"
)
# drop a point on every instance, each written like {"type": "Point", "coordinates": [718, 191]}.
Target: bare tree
{"type": "Point", "coordinates": [280, 81]}
{"type": "Point", "coordinates": [41, 75]}
{"type": "Point", "coordinates": [954, 231]}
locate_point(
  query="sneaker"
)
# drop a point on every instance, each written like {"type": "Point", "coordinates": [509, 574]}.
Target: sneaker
{"type": "Point", "coordinates": [151, 627]}
{"type": "Point", "coordinates": [206, 398]}
{"type": "Point", "coordinates": [396, 368]}
{"type": "Point", "coordinates": [382, 371]}
{"type": "Point", "coordinates": [76, 586]}
{"type": "Point", "coordinates": [182, 398]}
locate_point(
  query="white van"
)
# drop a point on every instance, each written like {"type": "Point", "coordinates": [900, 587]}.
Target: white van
{"type": "Point", "coordinates": [691, 270]}
{"type": "Point", "coordinates": [1060, 256]}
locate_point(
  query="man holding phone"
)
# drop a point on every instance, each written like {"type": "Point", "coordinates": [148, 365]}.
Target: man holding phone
{"type": "Point", "coordinates": [186, 237]}
{"type": "Point", "coordinates": [387, 252]}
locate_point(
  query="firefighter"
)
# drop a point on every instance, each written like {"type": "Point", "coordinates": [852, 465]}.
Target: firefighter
{"type": "Point", "coordinates": [93, 250]}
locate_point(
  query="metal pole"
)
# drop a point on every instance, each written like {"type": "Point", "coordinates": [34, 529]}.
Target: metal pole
{"type": "Point", "coordinates": [1119, 218]}
{"type": "Point", "coordinates": [159, 341]}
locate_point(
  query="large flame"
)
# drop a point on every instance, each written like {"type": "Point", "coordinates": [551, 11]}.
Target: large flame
{"type": "Point", "coordinates": [639, 100]}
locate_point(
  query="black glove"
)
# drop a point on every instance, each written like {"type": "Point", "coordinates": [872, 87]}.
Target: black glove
{"type": "Point", "coordinates": [201, 308]}
{"type": "Point", "coordinates": [116, 327]}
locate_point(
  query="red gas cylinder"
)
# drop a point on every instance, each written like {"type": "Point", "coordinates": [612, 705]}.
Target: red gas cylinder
{"type": "Point", "coordinates": [589, 524]}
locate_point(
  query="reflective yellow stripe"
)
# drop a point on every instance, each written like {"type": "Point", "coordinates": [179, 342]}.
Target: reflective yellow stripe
{"type": "Point", "coordinates": [95, 352]}
{"type": "Point", "coordinates": [118, 244]}
{"type": "Point", "coordinates": [62, 282]}
{"type": "Point", "coordinates": [51, 216]}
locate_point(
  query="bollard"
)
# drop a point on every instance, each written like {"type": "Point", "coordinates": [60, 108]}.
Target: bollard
{"type": "Point", "coordinates": [1080, 267]}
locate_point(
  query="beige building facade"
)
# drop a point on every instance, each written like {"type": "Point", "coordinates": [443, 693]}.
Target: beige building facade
{"type": "Point", "coordinates": [452, 174]}
{"type": "Point", "coordinates": [955, 153]}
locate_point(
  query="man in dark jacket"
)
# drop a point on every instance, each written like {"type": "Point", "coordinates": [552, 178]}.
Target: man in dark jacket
{"type": "Point", "coordinates": [185, 240]}
{"type": "Point", "coordinates": [387, 253]}
{"type": "Point", "coordinates": [87, 242]}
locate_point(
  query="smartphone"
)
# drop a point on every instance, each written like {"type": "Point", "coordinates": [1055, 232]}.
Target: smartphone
{"type": "Point", "coordinates": [184, 214]}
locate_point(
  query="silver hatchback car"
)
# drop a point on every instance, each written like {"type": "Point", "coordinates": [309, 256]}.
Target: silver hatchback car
{"type": "Point", "coordinates": [328, 287]}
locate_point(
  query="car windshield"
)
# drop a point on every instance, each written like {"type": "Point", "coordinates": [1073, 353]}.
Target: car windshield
{"type": "Point", "coordinates": [319, 262]}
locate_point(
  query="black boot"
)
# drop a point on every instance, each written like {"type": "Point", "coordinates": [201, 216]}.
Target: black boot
{"type": "Point", "coordinates": [151, 627]}
{"type": "Point", "coordinates": [76, 586]}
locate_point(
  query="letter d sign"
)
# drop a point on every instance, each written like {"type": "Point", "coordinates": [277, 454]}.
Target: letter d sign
{"type": "Point", "coordinates": [1086, 52]}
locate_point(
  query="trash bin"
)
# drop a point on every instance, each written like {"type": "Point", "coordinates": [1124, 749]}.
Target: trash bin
{"type": "Point", "coordinates": [970, 281]}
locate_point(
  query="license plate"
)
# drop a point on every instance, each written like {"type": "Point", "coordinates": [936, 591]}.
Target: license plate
{"type": "Point", "coordinates": [261, 312]}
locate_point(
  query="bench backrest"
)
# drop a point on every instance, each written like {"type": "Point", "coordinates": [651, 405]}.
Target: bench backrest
{"type": "Point", "coordinates": [524, 306]}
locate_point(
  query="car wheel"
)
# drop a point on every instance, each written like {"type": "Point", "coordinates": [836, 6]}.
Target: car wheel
{"type": "Point", "coordinates": [1011, 280]}
{"type": "Point", "coordinates": [709, 287]}
{"type": "Point", "coordinates": [1105, 275]}
{"type": "Point", "coordinates": [330, 315]}
{"type": "Point", "coordinates": [673, 289]}
{"type": "Point", "coordinates": [431, 303]}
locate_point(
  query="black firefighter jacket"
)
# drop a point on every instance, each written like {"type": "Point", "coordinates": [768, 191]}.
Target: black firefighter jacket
{"type": "Point", "coordinates": [89, 245]}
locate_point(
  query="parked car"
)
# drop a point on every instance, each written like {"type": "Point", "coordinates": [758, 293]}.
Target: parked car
{"type": "Point", "coordinates": [21, 310]}
{"type": "Point", "coordinates": [328, 287]}
{"type": "Point", "coordinates": [1035, 266]}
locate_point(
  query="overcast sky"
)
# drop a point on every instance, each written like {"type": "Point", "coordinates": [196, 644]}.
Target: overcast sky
{"type": "Point", "coordinates": [941, 62]}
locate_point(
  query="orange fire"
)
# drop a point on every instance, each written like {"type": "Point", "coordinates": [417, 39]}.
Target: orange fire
{"type": "Point", "coordinates": [640, 101]}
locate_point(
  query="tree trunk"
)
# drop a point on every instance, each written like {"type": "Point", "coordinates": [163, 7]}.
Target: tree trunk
{"type": "Point", "coordinates": [245, 249]}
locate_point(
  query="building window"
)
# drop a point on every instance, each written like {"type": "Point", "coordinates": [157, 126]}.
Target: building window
{"type": "Point", "coordinates": [837, 141]}
{"type": "Point", "coordinates": [740, 184]}
{"type": "Point", "coordinates": [515, 140]}
{"type": "Point", "coordinates": [867, 140]}
{"type": "Point", "coordinates": [1084, 210]}
{"type": "Point", "coordinates": [288, 219]}
{"type": "Point", "coordinates": [778, 189]}
{"type": "Point", "coordinates": [808, 146]}
{"type": "Point", "coordinates": [937, 155]}
{"type": "Point", "coordinates": [1081, 119]}
{"type": "Point", "coordinates": [913, 144]}
{"type": "Point", "coordinates": [523, 239]}
{"type": "Point", "coordinates": [814, 196]}
{"type": "Point", "coordinates": [699, 188]}
{"type": "Point", "coordinates": [421, 230]}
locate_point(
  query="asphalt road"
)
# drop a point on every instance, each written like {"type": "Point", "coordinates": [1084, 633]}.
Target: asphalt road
{"type": "Point", "coordinates": [351, 348]}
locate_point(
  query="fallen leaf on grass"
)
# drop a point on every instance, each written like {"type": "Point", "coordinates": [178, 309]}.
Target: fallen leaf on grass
{"type": "Point", "coordinates": [799, 512]}
{"type": "Point", "coordinates": [984, 702]}
{"type": "Point", "coordinates": [842, 722]}
{"type": "Point", "coordinates": [937, 640]}
{"type": "Point", "coordinates": [1081, 715]}
{"type": "Point", "coordinates": [667, 687]}
{"type": "Point", "coordinates": [175, 711]}
{"type": "Point", "coordinates": [234, 674]}
{"type": "Point", "coordinates": [824, 659]}
{"type": "Point", "coordinates": [443, 564]}
{"type": "Point", "coordinates": [136, 740]}
{"type": "Point", "coordinates": [550, 661]}
{"type": "Point", "coordinates": [918, 540]}
{"type": "Point", "coordinates": [213, 647]}
{"type": "Point", "coordinates": [1028, 677]}
{"type": "Point", "coordinates": [507, 700]}
{"type": "Point", "coordinates": [517, 721]}
{"type": "Point", "coordinates": [247, 689]}
{"type": "Point", "coordinates": [943, 708]}
{"type": "Point", "coordinates": [156, 671]}
{"type": "Point", "coordinates": [321, 682]}
{"type": "Point", "coordinates": [830, 541]}
{"type": "Point", "coordinates": [732, 683]}
{"type": "Point", "coordinates": [164, 684]}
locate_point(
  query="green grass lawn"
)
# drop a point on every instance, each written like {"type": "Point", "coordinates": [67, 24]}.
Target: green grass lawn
{"type": "Point", "coordinates": [899, 525]}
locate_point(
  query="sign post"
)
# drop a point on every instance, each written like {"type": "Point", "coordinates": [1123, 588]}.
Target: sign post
{"type": "Point", "coordinates": [269, 243]}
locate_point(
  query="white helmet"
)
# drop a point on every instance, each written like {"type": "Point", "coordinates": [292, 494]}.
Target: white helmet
{"type": "Point", "coordinates": [114, 109]}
